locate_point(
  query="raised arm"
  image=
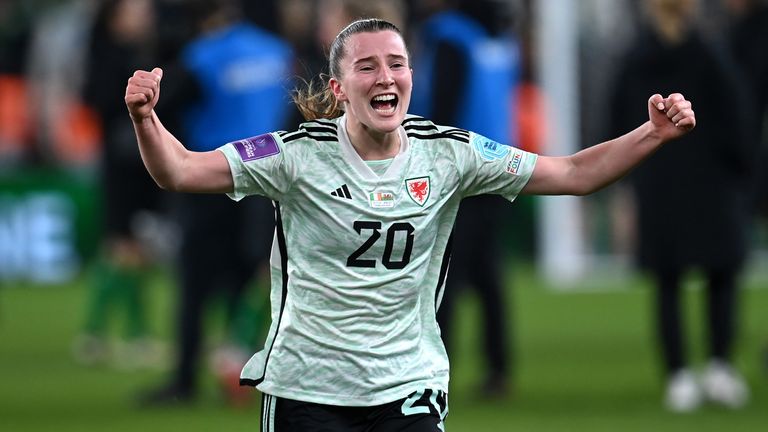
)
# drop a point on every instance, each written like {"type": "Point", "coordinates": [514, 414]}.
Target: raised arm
{"type": "Point", "coordinates": [172, 166]}
{"type": "Point", "coordinates": [598, 166]}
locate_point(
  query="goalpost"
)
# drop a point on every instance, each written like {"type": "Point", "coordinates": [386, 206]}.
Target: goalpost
{"type": "Point", "coordinates": [561, 243]}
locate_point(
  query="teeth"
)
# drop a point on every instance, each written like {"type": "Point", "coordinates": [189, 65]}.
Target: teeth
{"type": "Point", "coordinates": [384, 98]}
{"type": "Point", "coordinates": [385, 111]}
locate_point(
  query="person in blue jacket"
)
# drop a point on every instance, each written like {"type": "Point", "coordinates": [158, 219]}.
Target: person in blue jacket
{"type": "Point", "coordinates": [468, 64]}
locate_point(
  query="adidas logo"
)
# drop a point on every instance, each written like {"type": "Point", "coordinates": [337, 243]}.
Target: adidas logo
{"type": "Point", "coordinates": [342, 192]}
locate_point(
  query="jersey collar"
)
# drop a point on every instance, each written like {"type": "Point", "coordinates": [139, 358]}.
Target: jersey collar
{"type": "Point", "coordinates": [354, 159]}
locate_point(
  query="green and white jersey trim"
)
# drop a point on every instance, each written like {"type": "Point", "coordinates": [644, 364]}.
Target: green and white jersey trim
{"type": "Point", "coordinates": [359, 260]}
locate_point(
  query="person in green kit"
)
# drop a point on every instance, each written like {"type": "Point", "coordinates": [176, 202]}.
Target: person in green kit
{"type": "Point", "coordinates": [119, 41]}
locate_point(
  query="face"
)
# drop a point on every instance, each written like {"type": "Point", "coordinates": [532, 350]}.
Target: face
{"type": "Point", "coordinates": [133, 20]}
{"type": "Point", "coordinates": [376, 81]}
{"type": "Point", "coordinates": [676, 8]}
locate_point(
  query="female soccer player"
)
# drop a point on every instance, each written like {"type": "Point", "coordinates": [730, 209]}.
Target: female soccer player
{"type": "Point", "coordinates": [365, 200]}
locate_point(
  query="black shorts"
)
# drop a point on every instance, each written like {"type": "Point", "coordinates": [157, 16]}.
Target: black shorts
{"type": "Point", "coordinates": [422, 411]}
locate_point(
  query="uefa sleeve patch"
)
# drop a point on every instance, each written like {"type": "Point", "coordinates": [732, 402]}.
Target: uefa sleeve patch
{"type": "Point", "coordinates": [490, 150]}
{"type": "Point", "coordinates": [257, 147]}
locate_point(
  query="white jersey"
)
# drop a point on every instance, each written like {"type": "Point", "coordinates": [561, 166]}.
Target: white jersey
{"type": "Point", "coordinates": [359, 260]}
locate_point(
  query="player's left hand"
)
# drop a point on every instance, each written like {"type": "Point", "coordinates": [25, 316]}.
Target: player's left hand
{"type": "Point", "coordinates": [672, 116]}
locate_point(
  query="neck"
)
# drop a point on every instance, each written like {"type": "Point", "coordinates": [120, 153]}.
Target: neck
{"type": "Point", "coordinates": [216, 21]}
{"type": "Point", "coordinates": [371, 144]}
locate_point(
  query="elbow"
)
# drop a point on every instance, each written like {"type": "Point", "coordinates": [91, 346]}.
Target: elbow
{"type": "Point", "coordinates": [168, 183]}
{"type": "Point", "coordinates": [589, 182]}
{"type": "Point", "coordinates": [577, 181]}
{"type": "Point", "coordinates": [590, 188]}
{"type": "Point", "coordinates": [581, 188]}
{"type": "Point", "coordinates": [583, 191]}
{"type": "Point", "coordinates": [584, 188]}
{"type": "Point", "coordinates": [165, 186]}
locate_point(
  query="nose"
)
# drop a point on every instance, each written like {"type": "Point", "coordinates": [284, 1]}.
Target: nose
{"type": "Point", "coordinates": [385, 77]}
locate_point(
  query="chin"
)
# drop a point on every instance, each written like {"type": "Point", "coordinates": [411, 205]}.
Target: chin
{"type": "Point", "coordinates": [389, 123]}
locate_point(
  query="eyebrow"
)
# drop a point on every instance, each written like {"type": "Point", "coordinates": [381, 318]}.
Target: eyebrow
{"type": "Point", "coordinates": [390, 56]}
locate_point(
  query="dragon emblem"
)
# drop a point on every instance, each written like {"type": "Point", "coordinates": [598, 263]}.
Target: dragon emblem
{"type": "Point", "coordinates": [418, 189]}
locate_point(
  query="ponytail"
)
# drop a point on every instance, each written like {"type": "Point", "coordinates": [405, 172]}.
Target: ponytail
{"type": "Point", "coordinates": [315, 100]}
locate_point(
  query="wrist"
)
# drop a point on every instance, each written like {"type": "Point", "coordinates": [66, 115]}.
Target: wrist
{"type": "Point", "coordinates": [651, 133]}
{"type": "Point", "coordinates": [141, 120]}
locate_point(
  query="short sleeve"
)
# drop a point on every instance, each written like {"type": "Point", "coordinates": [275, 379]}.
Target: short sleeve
{"type": "Point", "coordinates": [259, 166]}
{"type": "Point", "coordinates": [488, 167]}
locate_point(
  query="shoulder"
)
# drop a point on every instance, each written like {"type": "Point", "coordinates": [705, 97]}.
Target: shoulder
{"type": "Point", "coordinates": [263, 37]}
{"type": "Point", "coordinates": [446, 24]}
{"type": "Point", "coordinates": [312, 133]}
{"type": "Point", "coordinates": [295, 146]}
{"type": "Point", "coordinates": [421, 129]}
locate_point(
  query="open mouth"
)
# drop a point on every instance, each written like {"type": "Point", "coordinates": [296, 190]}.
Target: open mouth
{"type": "Point", "coordinates": [384, 103]}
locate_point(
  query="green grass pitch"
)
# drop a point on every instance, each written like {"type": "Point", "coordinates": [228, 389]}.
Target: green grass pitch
{"type": "Point", "coordinates": [584, 361]}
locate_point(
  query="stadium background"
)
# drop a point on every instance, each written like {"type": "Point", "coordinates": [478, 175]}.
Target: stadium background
{"type": "Point", "coordinates": [585, 350]}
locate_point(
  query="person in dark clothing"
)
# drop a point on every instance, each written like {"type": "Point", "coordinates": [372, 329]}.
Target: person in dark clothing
{"type": "Point", "coordinates": [692, 197]}
{"type": "Point", "coordinates": [121, 40]}
{"type": "Point", "coordinates": [469, 57]}
{"type": "Point", "coordinates": [748, 38]}
{"type": "Point", "coordinates": [221, 83]}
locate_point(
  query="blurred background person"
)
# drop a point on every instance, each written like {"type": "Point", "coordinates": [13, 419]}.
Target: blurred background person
{"type": "Point", "coordinates": [466, 68]}
{"type": "Point", "coordinates": [748, 37]}
{"type": "Point", "coordinates": [337, 14]}
{"type": "Point", "coordinates": [228, 82]}
{"type": "Point", "coordinates": [691, 197]}
{"type": "Point", "coordinates": [120, 41]}
{"type": "Point", "coordinates": [15, 111]}
{"type": "Point", "coordinates": [67, 129]}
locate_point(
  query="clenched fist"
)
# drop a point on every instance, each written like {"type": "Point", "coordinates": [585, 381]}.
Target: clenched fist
{"type": "Point", "coordinates": [672, 116]}
{"type": "Point", "coordinates": [142, 93]}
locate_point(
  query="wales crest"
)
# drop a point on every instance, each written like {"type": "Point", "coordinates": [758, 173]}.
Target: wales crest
{"type": "Point", "coordinates": [418, 189]}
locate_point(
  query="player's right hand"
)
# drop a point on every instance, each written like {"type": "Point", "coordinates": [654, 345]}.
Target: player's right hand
{"type": "Point", "coordinates": [142, 93]}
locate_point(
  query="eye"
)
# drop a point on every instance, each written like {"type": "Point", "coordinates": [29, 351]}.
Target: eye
{"type": "Point", "coordinates": [397, 65]}
{"type": "Point", "coordinates": [366, 68]}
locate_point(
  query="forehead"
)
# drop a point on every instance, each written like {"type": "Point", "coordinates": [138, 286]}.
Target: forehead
{"type": "Point", "coordinates": [379, 44]}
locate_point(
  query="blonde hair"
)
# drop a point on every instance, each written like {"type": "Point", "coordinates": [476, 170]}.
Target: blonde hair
{"type": "Point", "coordinates": [315, 99]}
